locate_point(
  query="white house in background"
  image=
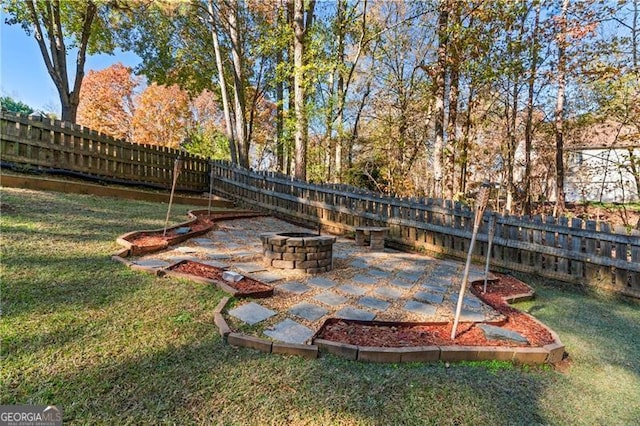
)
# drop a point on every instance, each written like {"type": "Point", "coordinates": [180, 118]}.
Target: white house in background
{"type": "Point", "coordinates": [600, 162]}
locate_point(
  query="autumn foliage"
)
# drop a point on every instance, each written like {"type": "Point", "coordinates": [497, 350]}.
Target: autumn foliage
{"type": "Point", "coordinates": [107, 101]}
{"type": "Point", "coordinates": [112, 103]}
{"type": "Point", "coordinates": [162, 117]}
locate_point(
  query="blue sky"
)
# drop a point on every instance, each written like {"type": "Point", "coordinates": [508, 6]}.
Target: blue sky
{"type": "Point", "coordinates": [24, 77]}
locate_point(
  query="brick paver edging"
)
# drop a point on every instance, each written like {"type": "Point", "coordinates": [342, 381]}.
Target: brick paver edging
{"type": "Point", "coordinates": [551, 353]}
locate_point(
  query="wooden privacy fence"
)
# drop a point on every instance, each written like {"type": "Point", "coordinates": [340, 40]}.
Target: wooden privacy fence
{"type": "Point", "coordinates": [585, 252]}
{"type": "Point", "coordinates": [52, 144]}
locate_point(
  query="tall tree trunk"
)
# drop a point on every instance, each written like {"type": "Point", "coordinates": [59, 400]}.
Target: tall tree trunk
{"type": "Point", "coordinates": [635, 36]}
{"type": "Point", "coordinates": [511, 144]}
{"type": "Point", "coordinates": [528, 132]}
{"type": "Point", "coordinates": [280, 121]}
{"type": "Point", "coordinates": [463, 158]}
{"type": "Point", "coordinates": [55, 57]}
{"type": "Point", "coordinates": [229, 125]}
{"type": "Point", "coordinates": [559, 111]}
{"type": "Point", "coordinates": [329, 119]}
{"type": "Point", "coordinates": [238, 86]}
{"type": "Point", "coordinates": [452, 127]}
{"type": "Point", "coordinates": [453, 59]}
{"type": "Point", "coordinates": [301, 132]}
{"type": "Point", "coordinates": [440, 93]}
{"type": "Point", "coordinates": [342, 7]}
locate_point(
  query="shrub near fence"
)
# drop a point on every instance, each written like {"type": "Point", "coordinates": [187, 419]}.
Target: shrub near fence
{"type": "Point", "coordinates": [53, 144]}
{"type": "Point", "coordinates": [572, 250]}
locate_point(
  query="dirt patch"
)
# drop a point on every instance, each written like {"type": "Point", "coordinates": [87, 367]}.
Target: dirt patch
{"type": "Point", "coordinates": [439, 334]}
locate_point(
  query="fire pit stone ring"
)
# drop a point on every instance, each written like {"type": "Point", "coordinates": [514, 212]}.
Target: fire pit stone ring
{"type": "Point", "coordinates": [305, 251]}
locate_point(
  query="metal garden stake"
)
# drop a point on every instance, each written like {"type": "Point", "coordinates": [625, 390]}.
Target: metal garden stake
{"type": "Point", "coordinates": [492, 231]}
{"type": "Point", "coordinates": [481, 203]}
{"type": "Point", "coordinates": [177, 167]}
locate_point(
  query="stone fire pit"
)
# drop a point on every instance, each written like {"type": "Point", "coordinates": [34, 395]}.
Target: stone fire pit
{"type": "Point", "coordinates": [305, 251]}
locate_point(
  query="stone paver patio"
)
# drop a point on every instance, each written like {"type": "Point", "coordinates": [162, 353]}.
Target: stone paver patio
{"type": "Point", "coordinates": [386, 285]}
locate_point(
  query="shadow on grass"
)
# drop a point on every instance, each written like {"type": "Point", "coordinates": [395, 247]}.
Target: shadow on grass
{"type": "Point", "coordinates": [209, 382]}
{"type": "Point", "coordinates": [38, 283]}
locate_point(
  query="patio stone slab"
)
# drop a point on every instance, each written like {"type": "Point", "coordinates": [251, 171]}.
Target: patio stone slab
{"type": "Point", "coordinates": [248, 268]}
{"type": "Point", "coordinates": [203, 241]}
{"type": "Point", "coordinates": [390, 265]}
{"type": "Point", "coordinates": [358, 263]}
{"type": "Point", "coordinates": [442, 281]}
{"type": "Point", "coordinates": [373, 303]}
{"type": "Point", "coordinates": [183, 257]}
{"type": "Point", "coordinates": [251, 313]}
{"type": "Point", "coordinates": [152, 263]}
{"type": "Point", "coordinates": [340, 254]}
{"type": "Point", "coordinates": [434, 288]}
{"type": "Point", "coordinates": [219, 235]}
{"type": "Point", "coordinates": [364, 279]}
{"type": "Point", "coordinates": [244, 254]}
{"type": "Point", "coordinates": [468, 300]}
{"type": "Point", "coordinates": [294, 287]}
{"type": "Point", "coordinates": [289, 331]}
{"type": "Point", "coordinates": [493, 332]}
{"type": "Point", "coordinates": [330, 298]}
{"type": "Point", "coordinates": [400, 282]}
{"type": "Point", "coordinates": [410, 276]}
{"type": "Point", "coordinates": [425, 296]}
{"type": "Point", "coordinates": [471, 316]}
{"type": "Point", "coordinates": [352, 289]}
{"type": "Point", "coordinates": [308, 311]}
{"type": "Point", "coordinates": [414, 269]}
{"type": "Point", "coordinates": [185, 249]}
{"type": "Point", "coordinates": [215, 253]}
{"type": "Point", "coordinates": [355, 314]}
{"type": "Point", "coordinates": [420, 308]}
{"type": "Point", "coordinates": [379, 273]}
{"type": "Point", "coordinates": [266, 276]}
{"type": "Point", "coordinates": [322, 282]}
{"type": "Point", "coordinates": [388, 292]}
{"type": "Point", "coordinates": [215, 263]}
{"type": "Point", "coordinates": [479, 276]}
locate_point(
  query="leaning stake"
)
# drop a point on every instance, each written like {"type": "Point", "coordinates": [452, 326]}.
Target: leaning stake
{"type": "Point", "coordinates": [177, 166]}
{"type": "Point", "coordinates": [481, 202]}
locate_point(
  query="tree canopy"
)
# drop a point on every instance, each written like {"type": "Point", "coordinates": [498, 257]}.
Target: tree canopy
{"type": "Point", "coordinates": [412, 98]}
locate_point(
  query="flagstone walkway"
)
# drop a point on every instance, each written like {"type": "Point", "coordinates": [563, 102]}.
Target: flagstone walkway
{"type": "Point", "coordinates": [367, 285]}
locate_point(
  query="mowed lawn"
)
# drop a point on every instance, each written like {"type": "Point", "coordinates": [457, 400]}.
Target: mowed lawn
{"type": "Point", "coordinates": [114, 346]}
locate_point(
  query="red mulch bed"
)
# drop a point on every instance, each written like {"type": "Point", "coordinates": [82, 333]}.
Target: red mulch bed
{"type": "Point", "coordinates": [151, 239]}
{"type": "Point", "coordinates": [467, 334]}
{"type": "Point", "coordinates": [246, 286]}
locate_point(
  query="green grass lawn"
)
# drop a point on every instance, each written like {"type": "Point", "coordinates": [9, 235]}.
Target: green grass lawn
{"type": "Point", "coordinates": [114, 346]}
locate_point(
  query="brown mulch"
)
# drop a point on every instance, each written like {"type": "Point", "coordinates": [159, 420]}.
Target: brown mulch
{"type": "Point", "coordinates": [467, 334]}
{"type": "Point", "coordinates": [245, 286]}
{"type": "Point", "coordinates": [150, 239]}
